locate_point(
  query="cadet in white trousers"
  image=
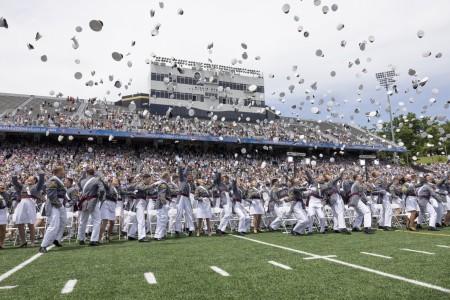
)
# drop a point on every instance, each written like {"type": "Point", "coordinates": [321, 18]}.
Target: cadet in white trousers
{"type": "Point", "coordinates": [175, 191]}
{"type": "Point", "coordinates": [425, 194]}
{"type": "Point", "coordinates": [385, 219]}
{"type": "Point", "coordinates": [55, 210]}
{"type": "Point", "coordinates": [336, 203]}
{"type": "Point", "coordinates": [278, 195]}
{"type": "Point", "coordinates": [89, 205]}
{"type": "Point", "coordinates": [162, 206]}
{"type": "Point", "coordinates": [356, 196]}
{"type": "Point", "coordinates": [296, 193]}
{"type": "Point", "coordinates": [315, 205]}
{"type": "Point", "coordinates": [184, 204]}
{"type": "Point", "coordinates": [238, 195]}
{"type": "Point", "coordinates": [142, 190]}
{"type": "Point", "coordinates": [224, 187]}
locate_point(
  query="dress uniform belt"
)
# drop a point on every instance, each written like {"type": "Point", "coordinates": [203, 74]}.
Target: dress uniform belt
{"type": "Point", "coordinates": [85, 198]}
{"type": "Point", "coordinates": [186, 195]}
{"type": "Point", "coordinates": [27, 197]}
{"type": "Point", "coordinates": [334, 192]}
{"type": "Point", "coordinates": [256, 198]}
{"type": "Point", "coordinates": [111, 198]}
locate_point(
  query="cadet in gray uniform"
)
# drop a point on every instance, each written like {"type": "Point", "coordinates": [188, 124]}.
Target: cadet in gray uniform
{"type": "Point", "coordinates": [331, 194]}
{"type": "Point", "coordinates": [239, 194]}
{"type": "Point", "coordinates": [72, 198]}
{"type": "Point", "coordinates": [224, 186]}
{"type": "Point", "coordinates": [92, 193]}
{"type": "Point", "coordinates": [296, 193]}
{"type": "Point", "coordinates": [184, 204]}
{"type": "Point", "coordinates": [55, 210]}
{"type": "Point", "coordinates": [357, 196]}
{"type": "Point", "coordinates": [175, 194]}
{"type": "Point", "coordinates": [108, 207]}
{"type": "Point", "coordinates": [141, 191]}
{"type": "Point", "coordinates": [162, 207]}
{"type": "Point", "coordinates": [278, 196]}
{"type": "Point", "coordinates": [424, 195]}
{"type": "Point", "coordinates": [72, 194]}
{"type": "Point", "coordinates": [380, 189]}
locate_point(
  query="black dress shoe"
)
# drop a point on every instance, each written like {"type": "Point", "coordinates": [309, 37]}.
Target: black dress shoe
{"type": "Point", "coordinates": [271, 229]}
{"type": "Point", "coordinates": [94, 244]}
{"type": "Point", "coordinates": [191, 233]}
{"type": "Point", "coordinates": [418, 226]}
{"type": "Point", "coordinates": [356, 230]}
{"type": "Point", "coordinates": [219, 232]}
{"type": "Point", "coordinates": [387, 228]}
{"type": "Point", "coordinates": [295, 233]}
{"type": "Point", "coordinates": [323, 232]}
{"type": "Point", "coordinates": [177, 234]}
{"type": "Point", "coordinates": [42, 250]}
{"type": "Point", "coordinates": [380, 227]}
{"type": "Point", "coordinates": [157, 239]}
{"type": "Point", "coordinates": [56, 243]}
{"type": "Point", "coordinates": [144, 240]}
{"type": "Point", "coordinates": [130, 238]}
{"type": "Point", "coordinates": [81, 242]}
{"type": "Point", "coordinates": [368, 231]}
{"type": "Point", "coordinates": [241, 233]}
{"type": "Point", "coordinates": [336, 231]}
{"type": "Point", "coordinates": [438, 225]}
{"type": "Point", "coordinates": [345, 230]}
{"type": "Point", "coordinates": [433, 229]}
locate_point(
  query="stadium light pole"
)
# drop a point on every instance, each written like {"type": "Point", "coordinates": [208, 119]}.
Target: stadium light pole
{"type": "Point", "coordinates": [386, 79]}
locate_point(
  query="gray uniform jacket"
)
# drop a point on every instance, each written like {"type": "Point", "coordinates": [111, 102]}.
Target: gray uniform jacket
{"type": "Point", "coordinates": [425, 192]}
{"type": "Point", "coordinates": [357, 193]}
{"type": "Point", "coordinates": [91, 186]}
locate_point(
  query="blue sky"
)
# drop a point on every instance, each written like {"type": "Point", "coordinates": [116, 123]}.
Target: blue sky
{"type": "Point", "coordinates": [268, 32]}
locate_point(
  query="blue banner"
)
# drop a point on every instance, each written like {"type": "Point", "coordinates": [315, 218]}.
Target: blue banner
{"type": "Point", "coordinates": [162, 136]}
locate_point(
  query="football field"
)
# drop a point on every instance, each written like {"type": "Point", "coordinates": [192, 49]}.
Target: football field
{"type": "Point", "coordinates": [386, 265]}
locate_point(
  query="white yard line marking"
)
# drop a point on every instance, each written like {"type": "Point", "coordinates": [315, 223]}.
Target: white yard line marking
{"type": "Point", "coordinates": [417, 251]}
{"type": "Point", "coordinates": [7, 287]}
{"type": "Point", "coordinates": [150, 278]}
{"type": "Point", "coordinates": [279, 265]}
{"type": "Point", "coordinates": [442, 246]}
{"type": "Point", "coordinates": [377, 255]}
{"type": "Point", "coordinates": [69, 286]}
{"type": "Point", "coordinates": [22, 265]}
{"type": "Point", "coordinates": [319, 257]}
{"type": "Point", "coordinates": [220, 271]}
{"type": "Point", "coordinates": [416, 282]}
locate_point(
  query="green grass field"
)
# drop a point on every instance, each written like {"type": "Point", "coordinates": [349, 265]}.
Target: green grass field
{"type": "Point", "coordinates": [182, 268]}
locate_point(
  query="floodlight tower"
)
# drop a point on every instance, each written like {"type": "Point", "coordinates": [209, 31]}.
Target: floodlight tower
{"type": "Point", "coordinates": [386, 79]}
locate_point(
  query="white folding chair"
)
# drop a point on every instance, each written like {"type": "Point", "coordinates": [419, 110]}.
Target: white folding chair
{"type": "Point", "coordinates": [172, 214]}
{"type": "Point", "coordinates": [287, 217]}
{"type": "Point", "coordinates": [152, 221]}
{"type": "Point", "coordinates": [399, 217]}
